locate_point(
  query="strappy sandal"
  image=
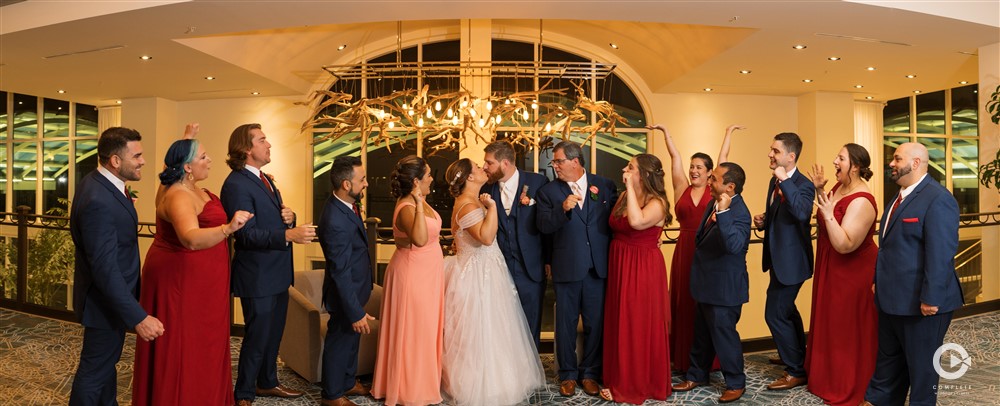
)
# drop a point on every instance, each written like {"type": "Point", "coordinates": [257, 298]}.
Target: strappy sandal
{"type": "Point", "coordinates": [606, 395]}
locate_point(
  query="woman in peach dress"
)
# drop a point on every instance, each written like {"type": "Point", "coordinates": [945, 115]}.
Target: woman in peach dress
{"type": "Point", "coordinates": [408, 366]}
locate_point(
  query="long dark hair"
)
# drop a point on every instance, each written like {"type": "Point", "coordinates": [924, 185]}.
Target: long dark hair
{"type": "Point", "coordinates": [651, 180]}
{"type": "Point", "coordinates": [408, 169]}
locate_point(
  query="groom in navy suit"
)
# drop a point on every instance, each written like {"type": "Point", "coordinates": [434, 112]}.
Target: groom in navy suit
{"type": "Point", "coordinates": [719, 284]}
{"type": "Point", "coordinates": [575, 210]}
{"type": "Point", "coordinates": [104, 226]}
{"type": "Point", "coordinates": [788, 254]}
{"type": "Point", "coordinates": [262, 262]}
{"type": "Point", "coordinates": [348, 282]}
{"type": "Point", "coordinates": [916, 286]}
{"type": "Point", "coordinates": [525, 249]}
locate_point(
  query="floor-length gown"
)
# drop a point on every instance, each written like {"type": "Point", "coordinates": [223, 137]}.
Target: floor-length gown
{"type": "Point", "coordinates": [636, 316]}
{"type": "Point", "coordinates": [408, 364]}
{"type": "Point", "coordinates": [188, 291]}
{"type": "Point", "coordinates": [682, 306]}
{"type": "Point", "coordinates": [843, 338]}
{"type": "Point", "coordinates": [489, 353]}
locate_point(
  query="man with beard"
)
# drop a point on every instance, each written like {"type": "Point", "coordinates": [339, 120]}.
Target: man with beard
{"type": "Point", "coordinates": [104, 225]}
{"type": "Point", "coordinates": [348, 282]}
{"type": "Point", "coordinates": [916, 287]}
{"type": "Point", "coordinates": [525, 249]}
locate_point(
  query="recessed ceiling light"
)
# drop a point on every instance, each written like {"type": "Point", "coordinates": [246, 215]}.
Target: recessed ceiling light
{"type": "Point", "coordinates": [964, 82]}
{"type": "Point", "coordinates": [341, 48]}
{"type": "Point", "coordinates": [799, 46]}
{"type": "Point", "coordinates": [834, 58]}
{"type": "Point", "coordinates": [59, 108]}
{"type": "Point", "coordinates": [911, 76]}
{"type": "Point", "coordinates": [868, 97]}
{"type": "Point", "coordinates": [707, 89]}
{"type": "Point", "coordinates": [61, 91]}
{"type": "Point", "coordinates": [118, 102]}
{"type": "Point", "coordinates": [916, 91]}
{"type": "Point", "coordinates": [145, 57]}
{"type": "Point", "coordinates": [858, 86]}
{"type": "Point", "coordinates": [807, 80]}
{"type": "Point", "coordinates": [209, 77]}
{"type": "Point", "coordinates": [870, 68]}
{"type": "Point", "coordinates": [613, 45]}
{"type": "Point", "coordinates": [255, 93]}
{"type": "Point", "coordinates": [745, 72]}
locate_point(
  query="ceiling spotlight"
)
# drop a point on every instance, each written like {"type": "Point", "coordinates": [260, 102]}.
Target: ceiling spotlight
{"type": "Point", "coordinates": [209, 77]}
{"type": "Point", "coordinates": [911, 76]}
{"type": "Point", "coordinates": [858, 86]}
{"type": "Point", "coordinates": [61, 91]}
{"type": "Point", "coordinates": [807, 80]}
{"type": "Point", "coordinates": [341, 48]}
{"type": "Point", "coordinates": [145, 57]}
{"type": "Point", "coordinates": [707, 89]}
{"type": "Point", "coordinates": [916, 91]}
{"type": "Point", "coordinates": [798, 46]}
{"type": "Point", "coordinates": [964, 82]}
{"type": "Point", "coordinates": [834, 58]}
{"type": "Point", "coordinates": [118, 102]}
{"type": "Point", "coordinates": [745, 72]}
{"type": "Point", "coordinates": [255, 93]}
{"type": "Point", "coordinates": [870, 68]}
{"type": "Point", "coordinates": [868, 97]}
{"type": "Point", "coordinates": [613, 45]}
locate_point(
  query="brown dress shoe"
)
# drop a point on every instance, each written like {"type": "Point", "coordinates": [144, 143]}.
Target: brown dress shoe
{"type": "Point", "coordinates": [590, 387]}
{"type": "Point", "coordinates": [776, 361]}
{"type": "Point", "coordinates": [341, 401]}
{"type": "Point", "coordinates": [685, 386]}
{"type": "Point", "coordinates": [358, 390]}
{"type": "Point", "coordinates": [786, 382]}
{"type": "Point", "coordinates": [865, 403]}
{"type": "Point", "coordinates": [730, 395]}
{"type": "Point", "coordinates": [244, 402]}
{"type": "Point", "coordinates": [280, 391]}
{"type": "Point", "coordinates": [567, 388]}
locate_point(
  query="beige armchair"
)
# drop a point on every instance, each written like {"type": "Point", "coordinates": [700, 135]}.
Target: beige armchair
{"type": "Point", "coordinates": [305, 328]}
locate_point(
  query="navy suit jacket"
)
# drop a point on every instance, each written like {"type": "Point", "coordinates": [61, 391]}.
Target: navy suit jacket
{"type": "Point", "coordinates": [719, 269]}
{"type": "Point", "coordinates": [104, 226]}
{"type": "Point", "coordinates": [788, 249]}
{"type": "Point", "coordinates": [262, 259]}
{"type": "Point", "coordinates": [578, 233]}
{"type": "Point", "coordinates": [916, 255]}
{"type": "Point", "coordinates": [348, 282]}
{"type": "Point", "coordinates": [534, 245]}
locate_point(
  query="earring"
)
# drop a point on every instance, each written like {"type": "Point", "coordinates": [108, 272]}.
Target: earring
{"type": "Point", "coordinates": [190, 176]}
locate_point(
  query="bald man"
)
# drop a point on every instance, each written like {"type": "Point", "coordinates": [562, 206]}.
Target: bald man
{"type": "Point", "coordinates": [916, 287]}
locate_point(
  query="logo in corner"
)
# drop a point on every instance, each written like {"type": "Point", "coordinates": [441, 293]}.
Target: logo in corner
{"type": "Point", "coordinates": [957, 357]}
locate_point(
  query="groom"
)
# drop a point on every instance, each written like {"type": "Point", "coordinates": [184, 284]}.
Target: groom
{"type": "Point", "coordinates": [525, 249]}
{"type": "Point", "coordinates": [575, 210]}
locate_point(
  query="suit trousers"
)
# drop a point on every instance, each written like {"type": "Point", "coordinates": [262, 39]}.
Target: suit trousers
{"type": "Point", "coordinates": [531, 295]}
{"type": "Point", "coordinates": [96, 379]}
{"type": "Point", "coordinates": [340, 357]}
{"type": "Point", "coordinates": [785, 323]}
{"type": "Point", "coordinates": [265, 323]}
{"type": "Point", "coordinates": [575, 300]}
{"type": "Point", "coordinates": [715, 335]}
{"type": "Point", "coordinates": [906, 346]}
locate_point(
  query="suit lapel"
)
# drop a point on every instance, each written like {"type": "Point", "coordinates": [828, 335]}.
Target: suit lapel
{"type": "Point", "coordinates": [350, 214]}
{"type": "Point", "coordinates": [275, 197]}
{"type": "Point", "coordinates": [125, 201]}
{"type": "Point", "coordinates": [515, 204]}
{"type": "Point", "coordinates": [704, 217]}
{"type": "Point", "coordinates": [898, 213]}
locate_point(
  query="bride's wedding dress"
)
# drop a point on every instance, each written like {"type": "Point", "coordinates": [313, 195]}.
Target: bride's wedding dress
{"type": "Point", "coordinates": [489, 355]}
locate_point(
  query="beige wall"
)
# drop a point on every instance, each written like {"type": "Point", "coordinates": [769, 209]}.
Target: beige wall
{"type": "Point", "coordinates": [989, 143]}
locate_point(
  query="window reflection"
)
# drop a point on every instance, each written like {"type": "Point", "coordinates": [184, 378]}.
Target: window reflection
{"type": "Point", "coordinates": [930, 113]}
{"type": "Point", "coordinates": [86, 120]}
{"type": "Point", "coordinates": [3, 117]}
{"type": "Point", "coordinates": [964, 110]}
{"type": "Point", "coordinates": [25, 116]}
{"type": "Point", "coordinates": [964, 171]}
{"type": "Point", "coordinates": [55, 118]}
{"type": "Point", "coordinates": [889, 188]}
{"type": "Point", "coordinates": [86, 158]}
{"type": "Point", "coordinates": [55, 174]}
{"type": "Point", "coordinates": [896, 116]}
{"type": "Point", "coordinates": [936, 165]}
{"type": "Point", "coordinates": [24, 174]}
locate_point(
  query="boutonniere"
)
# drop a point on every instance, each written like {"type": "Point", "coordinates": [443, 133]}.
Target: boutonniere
{"type": "Point", "coordinates": [270, 177]}
{"type": "Point", "coordinates": [525, 200]}
{"type": "Point", "coordinates": [132, 193]}
{"type": "Point", "coordinates": [593, 192]}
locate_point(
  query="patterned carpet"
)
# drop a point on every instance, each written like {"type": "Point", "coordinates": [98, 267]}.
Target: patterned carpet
{"type": "Point", "coordinates": [38, 357]}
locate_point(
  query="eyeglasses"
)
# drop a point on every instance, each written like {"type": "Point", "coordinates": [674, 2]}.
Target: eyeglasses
{"type": "Point", "coordinates": [557, 162]}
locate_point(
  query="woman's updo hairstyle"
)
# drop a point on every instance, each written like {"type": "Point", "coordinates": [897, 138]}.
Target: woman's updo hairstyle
{"type": "Point", "coordinates": [859, 158]}
{"type": "Point", "coordinates": [408, 169]}
{"type": "Point", "coordinates": [457, 174]}
{"type": "Point", "coordinates": [181, 153]}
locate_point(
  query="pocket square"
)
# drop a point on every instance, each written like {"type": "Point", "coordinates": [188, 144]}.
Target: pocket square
{"type": "Point", "coordinates": [911, 220]}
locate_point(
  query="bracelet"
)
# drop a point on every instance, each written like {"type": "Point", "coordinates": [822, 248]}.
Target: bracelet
{"type": "Point", "coordinates": [223, 229]}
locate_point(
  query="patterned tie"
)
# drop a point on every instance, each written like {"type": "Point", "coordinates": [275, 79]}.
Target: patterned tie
{"type": "Point", "coordinates": [263, 178]}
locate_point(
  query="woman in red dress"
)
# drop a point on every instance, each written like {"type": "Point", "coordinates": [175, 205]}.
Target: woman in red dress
{"type": "Point", "coordinates": [636, 310]}
{"type": "Point", "coordinates": [185, 284]}
{"type": "Point", "coordinates": [691, 200]}
{"type": "Point", "coordinates": [843, 337]}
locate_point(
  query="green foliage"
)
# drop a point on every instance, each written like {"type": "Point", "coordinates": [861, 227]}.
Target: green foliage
{"type": "Point", "coordinates": [50, 263]}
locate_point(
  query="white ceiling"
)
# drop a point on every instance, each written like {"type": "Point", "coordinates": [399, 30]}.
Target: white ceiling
{"type": "Point", "coordinates": [277, 47]}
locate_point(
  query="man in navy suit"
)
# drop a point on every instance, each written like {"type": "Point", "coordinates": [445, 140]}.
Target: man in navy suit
{"type": "Point", "coordinates": [524, 247]}
{"type": "Point", "coordinates": [916, 287]}
{"type": "Point", "coordinates": [104, 226]}
{"type": "Point", "coordinates": [262, 262]}
{"type": "Point", "coordinates": [575, 210]}
{"type": "Point", "coordinates": [348, 282]}
{"type": "Point", "coordinates": [719, 284]}
{"type": "Point", "coordinates": [788, 254]}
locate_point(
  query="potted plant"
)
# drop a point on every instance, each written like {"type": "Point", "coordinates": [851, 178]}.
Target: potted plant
{"type": "Point", "coordinates": [990, 172]}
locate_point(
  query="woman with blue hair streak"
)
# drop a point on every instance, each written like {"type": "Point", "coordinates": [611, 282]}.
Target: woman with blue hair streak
{"type": "Point", "coordinates": [185, 284]}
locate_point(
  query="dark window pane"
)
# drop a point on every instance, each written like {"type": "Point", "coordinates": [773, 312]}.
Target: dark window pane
{"type": "Point", "coordinates": [964, 110]}
{"type": "Point", "coordinates": [55, 174]}
{"type": "Point", "coordinates": [86, 158]}
{"type": "Point", "coordinates": [86, 120]}
{"type": "Point", "coordinates": [936, 165]}
{"type": "Point", "coordinates": [964, 171]}
{"type": "Point", "coordinates": [3, 116]}
{"type": "Point", "coordinates": [55, 118]}
{"type": "Point", "coordinates": [324, 152]}
{"type": "Point", "coordinates": [381, 163]}
{"type": "Point", "coordinates": [504, 50]}
{"type": "Point", "coordinates": [889, 188]}
{"type": "Point", "coordinates": [896, 116]}
{"type": "Point", "coordinates": [550, 54]}
{"type": "Point", "coordinates": [442, 51]}
{"type": "Point", "coordinates": [25, 116]}
{"type": "Point", "coordinates": [25, 174]}
{"type": "Point", "coordinates": [930, 113]}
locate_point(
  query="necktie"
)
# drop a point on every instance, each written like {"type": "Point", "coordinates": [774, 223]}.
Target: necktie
{"type": "Point", "coordinates": [777, 192]}
{"type": "Point", "coordinates": [128, 195]}
{"type": "Point", "coordinates": [356, 210]}
{"type": "Point", "coordinates": [577, 191]}
{"type": "Point", "coordinates": [505, 198]}
{"type": "Point", "coordinates": [892, 212]}
{"type": "Point", "coordinates": [266, 183]}
{"type": "Point", "coordinates": [711, 219]}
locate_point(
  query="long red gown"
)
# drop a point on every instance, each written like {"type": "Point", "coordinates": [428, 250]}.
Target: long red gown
{"type": "Point", "coordinates": [188, 291]}
{"type": "Point", "coordinates": [682, 306]}
{"type": "Point", "coordinates": [636, 316]}
{"type": "Point", "coordinates": [843, 339]}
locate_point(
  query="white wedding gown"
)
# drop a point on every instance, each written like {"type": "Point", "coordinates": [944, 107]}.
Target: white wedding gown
{"type": "Point", "coordinates": [489, 355]}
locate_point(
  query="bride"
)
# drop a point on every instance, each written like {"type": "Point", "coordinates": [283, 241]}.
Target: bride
{"type": "Point", "coordinates": [489, 355]}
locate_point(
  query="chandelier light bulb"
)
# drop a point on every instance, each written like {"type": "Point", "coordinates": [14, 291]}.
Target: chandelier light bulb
{"type": "Point", "coordinates": [437, 105]}
{"type": "Point", "coordinates": [454, 121]}
{"type": "Point", "coordinates": [410, 112]}
{"type": "Point", "coordinates": [534, 106]}
{"type": "Point", "coordinates": [482, 122]}
{"type": "Point", "coordinates": [548, 127]}
{"type": "Point", "coordinates": [392, 124]}
{"type": "Point", "coordinates": [525, 114]}
{"type": "Point", "coordinates": [489, 106]}
{"type": "Point", "coordinates": [405, 106]}
{"type": "Point", "coordinates": [429, 115]}
{"type": "Point", "coordinates": [450, 113]}
{"type": "Point", "coordinates": [497, 119]}
{"type": "Point", "coordinates": [465, 103]}
{"type": "Point", "coordinates": [420, 122]}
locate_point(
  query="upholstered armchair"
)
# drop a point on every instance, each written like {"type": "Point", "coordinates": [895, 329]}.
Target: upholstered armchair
{"type": "Point", "coordinates": [305, 328]}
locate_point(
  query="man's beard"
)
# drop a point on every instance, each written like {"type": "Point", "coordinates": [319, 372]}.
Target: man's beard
{"type": "Point", "coordinates": [357, 196]}
{"type": "Point", "coordinates": [494, 177]}
{"type": "Point", "coordinates": [130, 174]}
{"type": "Point", "coordinates": [900, 172]}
